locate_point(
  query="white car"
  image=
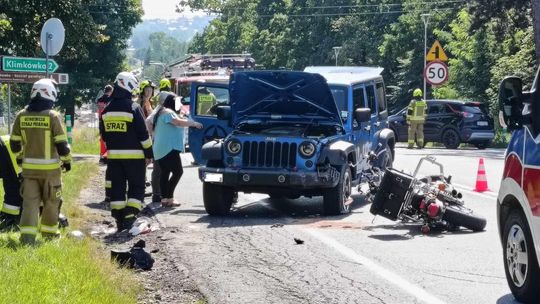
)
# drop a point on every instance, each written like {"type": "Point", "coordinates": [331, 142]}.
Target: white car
{"type": "Point", "coordinates": [518, 208]}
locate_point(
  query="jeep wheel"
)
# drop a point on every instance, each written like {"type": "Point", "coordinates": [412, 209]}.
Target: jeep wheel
{"type": "Point", "coordinates": [385, 160]}
{"type": "Point", "coordinates": [337, 200]}
{"type": "Point", "coordinates": [218, 199]}
{"type": "Point", "coordinates": [521, 265]}
{"type": "Point", "coordinates": [450, 139]}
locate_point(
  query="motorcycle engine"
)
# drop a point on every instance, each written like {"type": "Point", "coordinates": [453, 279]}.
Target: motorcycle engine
{"type": "Point", "coordinates": [434, 208]}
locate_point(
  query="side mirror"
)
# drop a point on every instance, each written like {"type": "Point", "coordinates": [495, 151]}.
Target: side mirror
{"type": "Point", "coordinates": [185, 101]}
{"type": "Point", "coordinates": [362, 115]}
{"type": "Point", "coordinates": [224, 112]}
{"type": "Point", "coordinates": [511, 102]}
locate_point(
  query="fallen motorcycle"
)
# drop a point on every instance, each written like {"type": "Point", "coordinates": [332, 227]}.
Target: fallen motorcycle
{"type": "Point", "coordinates": [431, 200]}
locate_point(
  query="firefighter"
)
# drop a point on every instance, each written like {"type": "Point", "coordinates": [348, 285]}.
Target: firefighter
{"type": "Point", "coordinates": [129, 150]}
{"type": "Point", "coordinates": [416, 117]}
{"type": "Point", "coordinates": [206, 101]}
{"type": "Point", "coordinates": [9, 173]}
{"type": "Point", "coordinates": [39, 134]}
{"type": "Point", "coordinates": [164, 85]}
{"type": "Point", "coordinates": [102, 102]}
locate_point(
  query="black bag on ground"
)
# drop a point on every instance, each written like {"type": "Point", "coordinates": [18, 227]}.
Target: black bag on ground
{"type": "Point", "coordinates": [142, 259]}
{"type": "Point", "coordinates": [391, 194]}
{"type": "Point", "coordinates": [136, 257]}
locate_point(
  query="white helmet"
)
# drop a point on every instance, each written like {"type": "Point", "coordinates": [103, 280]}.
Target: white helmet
{"type": "Point", "coordinates": [45, 88]}
{"type": "Point", "coordinates": [127, 81]}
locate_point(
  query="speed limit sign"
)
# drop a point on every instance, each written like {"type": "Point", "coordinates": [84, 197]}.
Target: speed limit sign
{"type": "Point", "coordinates": [436, 73]}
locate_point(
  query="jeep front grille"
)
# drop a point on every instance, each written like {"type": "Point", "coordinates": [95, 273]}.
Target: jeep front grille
{"type": "Point", "coordinates": [267, 154]}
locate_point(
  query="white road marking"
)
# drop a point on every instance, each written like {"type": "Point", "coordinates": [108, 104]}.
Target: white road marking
{"type": "Point", "coordinates": [398, 281]}
{"type": "Point", "coordinates": [488, 194]}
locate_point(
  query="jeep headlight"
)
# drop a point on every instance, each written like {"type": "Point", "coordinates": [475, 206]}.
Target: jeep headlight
{"type": "Point", "coordinates": [234, 146]}
{"type": "Point", "coordinates": [307, 149]}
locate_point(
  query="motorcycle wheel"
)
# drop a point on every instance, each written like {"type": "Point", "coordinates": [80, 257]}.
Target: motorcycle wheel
{"type": "Point", "coordinates": [460, 216]}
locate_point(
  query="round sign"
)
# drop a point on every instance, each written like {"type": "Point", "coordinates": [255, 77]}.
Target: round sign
{"type": "Point", "coordinates": [436, 73]}
{"type": "Point", "coordinates": [52, 36]}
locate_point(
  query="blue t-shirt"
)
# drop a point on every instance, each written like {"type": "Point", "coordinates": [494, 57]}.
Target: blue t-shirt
{"type": "Point", "coordinates": [167, 137]}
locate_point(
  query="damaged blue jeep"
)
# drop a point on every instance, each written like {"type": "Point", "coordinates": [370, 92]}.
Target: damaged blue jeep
{"type": "Point", "coordinates": [293, 134]}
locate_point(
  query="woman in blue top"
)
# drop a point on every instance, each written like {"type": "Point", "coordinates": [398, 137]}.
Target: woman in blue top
{"type": "Point", "coordinates": [167, 146]}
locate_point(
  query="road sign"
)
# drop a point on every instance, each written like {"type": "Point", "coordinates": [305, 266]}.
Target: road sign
{"type": "Point", "coordinates": [28, 65]}
{"type": "Point", "coordinates": [10, 77]}
{"type": "Point", "coordinates": [436, 53]}
{"type": "Point", "coordinates": [436, 73]}
{"type": "Point", "coordinates": [52, 36]}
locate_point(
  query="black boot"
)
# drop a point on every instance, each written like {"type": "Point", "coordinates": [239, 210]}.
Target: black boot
{"type": "Point", "coordinates": [9, 222]}
{"type": "Point", "coordinates": [127, 223]}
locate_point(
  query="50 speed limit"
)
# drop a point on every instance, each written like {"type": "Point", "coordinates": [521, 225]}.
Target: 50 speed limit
{"type": "Point", "coordinates": [436, 73]}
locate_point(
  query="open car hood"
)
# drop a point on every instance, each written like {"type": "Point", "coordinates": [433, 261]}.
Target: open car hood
{"type": "Point", "coordinates": [283, 96]}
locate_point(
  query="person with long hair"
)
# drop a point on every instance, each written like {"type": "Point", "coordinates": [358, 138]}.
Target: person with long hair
{"type": "Point", "coordinates": [167, 146]}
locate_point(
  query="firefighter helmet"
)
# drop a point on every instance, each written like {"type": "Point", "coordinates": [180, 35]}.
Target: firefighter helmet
{"type": "Point", "coordinates": [164, 84]}
{"type": "Point", "coordinates": [127, 81]}
{"type": "Point", "coordinates": [45, 88]}
{"type": "Point", "coordinates": [145, 84]}
{"type": "Point", "coordinates": [417, 93]}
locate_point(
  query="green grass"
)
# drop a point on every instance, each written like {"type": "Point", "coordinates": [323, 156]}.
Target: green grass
{"type": "Point", "coordinates": [85, 141]}
{"type": "Point", "coordinates": [64, 271]}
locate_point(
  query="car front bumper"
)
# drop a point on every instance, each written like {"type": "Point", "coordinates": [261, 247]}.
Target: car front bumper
{"type": "Point", "coordinates": [246, 178]}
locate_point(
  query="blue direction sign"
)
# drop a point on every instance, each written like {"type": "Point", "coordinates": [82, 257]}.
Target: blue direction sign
{"type": "Point", "coordinates": [29, 65]}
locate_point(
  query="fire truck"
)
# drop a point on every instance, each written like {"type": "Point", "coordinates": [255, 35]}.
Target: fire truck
{"type": "Point", "coordinates": [210, 68]}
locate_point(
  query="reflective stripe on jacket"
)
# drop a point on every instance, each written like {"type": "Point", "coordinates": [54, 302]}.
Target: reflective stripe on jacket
{"type": "Point", "coordinates": [123, 129]}
{"type": "Point", "coordinates": [416, 111]}
{"type": "Point", "coordinates": [40, 134]}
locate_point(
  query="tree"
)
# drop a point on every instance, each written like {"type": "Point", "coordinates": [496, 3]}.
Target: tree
{"type": "Point", "coordinates": [93, 53]}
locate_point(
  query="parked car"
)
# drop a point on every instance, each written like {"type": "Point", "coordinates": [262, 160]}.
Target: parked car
{"type": "Point", "coordinates": [294, 134]}
{"type": "Point", "coordinates": [450, 122]}
{"type": "Point", "coordinates": [518, 208]}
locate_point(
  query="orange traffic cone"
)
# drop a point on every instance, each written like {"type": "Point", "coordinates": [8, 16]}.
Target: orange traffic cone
{"type": "Point", "coordinates": [481, 178]}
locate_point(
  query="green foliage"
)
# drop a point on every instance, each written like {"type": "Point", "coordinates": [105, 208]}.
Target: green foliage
{"type": "Point", "coordinates": [485, 40]}
{"type": "Point", "coordinates": [162, 50]}
{"type": "Point", "coordinates": [93, 53]}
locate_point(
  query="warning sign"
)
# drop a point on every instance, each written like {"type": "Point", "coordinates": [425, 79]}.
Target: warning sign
{"type": "Point", "coordinates": [436, 53]}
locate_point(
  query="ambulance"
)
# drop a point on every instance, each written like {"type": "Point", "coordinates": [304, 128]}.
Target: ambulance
{"type": "Point", "coordinates": [518, 202]}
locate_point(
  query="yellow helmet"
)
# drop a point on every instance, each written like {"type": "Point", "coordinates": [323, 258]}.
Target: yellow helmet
{"type": "Point", "coordinates": [164, 84]}
{"type": "Point", "coordinates": [417, 93]}
{"type": "Point", "coordinates": [146, 83]}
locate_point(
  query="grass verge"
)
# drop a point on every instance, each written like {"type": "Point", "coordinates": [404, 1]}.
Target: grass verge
{"type": "Point", "coordinates": [65, 270]}
{"type": "Point", "coordinates": [85, 141]}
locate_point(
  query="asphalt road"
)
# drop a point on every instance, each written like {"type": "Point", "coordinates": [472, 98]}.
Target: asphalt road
{"type": "Point", "coordinates": [252, 257]}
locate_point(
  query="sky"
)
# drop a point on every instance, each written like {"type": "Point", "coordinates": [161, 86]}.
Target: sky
{"type": "Point", "coordinates": [162, 9]}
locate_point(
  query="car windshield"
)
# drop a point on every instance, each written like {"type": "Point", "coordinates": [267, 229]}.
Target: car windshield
{"type": "Point", "coordinates": [472, 109]}
{"type": "Point", "coordinates": [340, 96]}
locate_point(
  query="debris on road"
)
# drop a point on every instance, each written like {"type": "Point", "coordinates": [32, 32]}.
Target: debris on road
{"type": "Point", "coordinates": [278, 225]}
{"type": "Point", "coordinates": [63, 221]}
{"type": "Point", "coordinates": [298, 241]}
{"type": "Point", "coordinates": [77, 235]}
{"type": "Point", "coordinates": [141, 226]}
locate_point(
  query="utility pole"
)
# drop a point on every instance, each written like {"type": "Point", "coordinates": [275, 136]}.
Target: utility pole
{"type": "Point", "coordinates": [536, 27]}
{"type": "Point", "coordinates": [425, 18]}
{"type": "Point", "coordinates": [336, 52]}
